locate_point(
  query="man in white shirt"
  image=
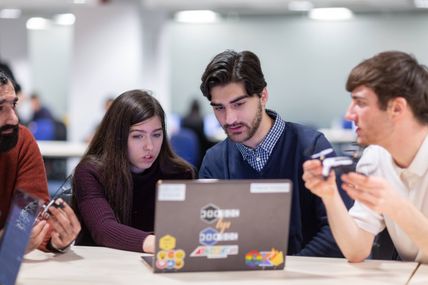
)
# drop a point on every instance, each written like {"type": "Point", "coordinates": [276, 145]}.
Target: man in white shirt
{"type": "Point", "coordinates": [390, 187]}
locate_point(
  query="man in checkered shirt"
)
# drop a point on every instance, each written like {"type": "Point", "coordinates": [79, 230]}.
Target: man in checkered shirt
{"type": "Point", "coordinates": [261, 145]}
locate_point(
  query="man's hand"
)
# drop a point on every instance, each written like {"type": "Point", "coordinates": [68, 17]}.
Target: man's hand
{"type": "Point", "coordinates": [354, 242]}
{"type": "Point", "coordinates": [315, 182]}
{"type": "Point", "coordinates": [64, 223]}
{"type": "Point", "coordinates": [374, 192]}
{"type": "Point", "coordinates": [38, 233]}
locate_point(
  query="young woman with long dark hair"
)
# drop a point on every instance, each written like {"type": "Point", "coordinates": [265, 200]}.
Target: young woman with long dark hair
{"type": "Point", "coordinates": [114, 183]}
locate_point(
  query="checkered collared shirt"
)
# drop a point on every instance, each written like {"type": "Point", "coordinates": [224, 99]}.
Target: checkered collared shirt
{"type": "Point", "coordinates": [258, 156]}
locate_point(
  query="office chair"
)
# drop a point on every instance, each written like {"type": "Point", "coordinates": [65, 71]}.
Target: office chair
{"type": "Point", "coordinates": [186, 145]}
{"type": "Point", "coordinates": [43, 129]}
{"type": "Point", "coordinates": [383, 247]}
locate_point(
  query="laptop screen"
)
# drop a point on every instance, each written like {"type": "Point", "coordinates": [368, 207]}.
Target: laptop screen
{"type": "Point", "coordinates": [221, 225]}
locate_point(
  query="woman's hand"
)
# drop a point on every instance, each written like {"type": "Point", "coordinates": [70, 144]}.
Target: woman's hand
{"type": "Point", "coordinates": [149, 244]}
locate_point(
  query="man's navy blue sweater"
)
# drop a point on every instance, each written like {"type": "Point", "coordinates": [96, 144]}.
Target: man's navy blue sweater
{"type": "Point", "coordinates": [309, 233]}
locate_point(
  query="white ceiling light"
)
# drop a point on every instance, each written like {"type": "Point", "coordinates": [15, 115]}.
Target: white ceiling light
{"type": "Point", "coordinates": [37, 23]}
{"type": "Point", "coordinates": [421, 3]}
{"type": "Point", "coordinates": [300, 6]}
{"type": "Point", "coordinates": [10, 13]}
{"type": "Point", "coordinates": [331, 14]}
{"type": "Point", "coordinates": [65, 19]}
{"type": "Point", "coordinates": [196, 16]}
{"type": "Point", "coordinates": [79, 1]}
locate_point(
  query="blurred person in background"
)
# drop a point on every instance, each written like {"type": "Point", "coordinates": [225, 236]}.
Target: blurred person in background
{"type": "Point", "coordinates": [40, 111]}
{"type": "Point", "coordinates": [106, 105]}
{"type": "Point", "coordinates": [194, 121]}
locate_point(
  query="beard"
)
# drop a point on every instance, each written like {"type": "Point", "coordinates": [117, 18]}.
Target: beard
{"type": "Point", "coordinates": [9, 140]}
{"type": "Point", "coordinates": [251, 129]}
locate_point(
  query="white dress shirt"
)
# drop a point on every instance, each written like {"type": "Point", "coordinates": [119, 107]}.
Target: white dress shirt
{"type": "Point", "coordinates": [411, 183]}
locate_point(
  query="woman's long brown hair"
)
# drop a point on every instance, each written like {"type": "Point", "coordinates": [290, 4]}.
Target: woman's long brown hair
{"type": "Point", "coordinates": [108, 150]}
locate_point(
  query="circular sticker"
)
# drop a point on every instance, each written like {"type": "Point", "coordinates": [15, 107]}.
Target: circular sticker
{"type": "Point", "coordinates": [161, 255]}
{"type": "Point", "coordinates": [179, 263]}
{"type": "Point", "coordinates": [161, 264]}
{"type": "Point", "coordinates": [180, 254]}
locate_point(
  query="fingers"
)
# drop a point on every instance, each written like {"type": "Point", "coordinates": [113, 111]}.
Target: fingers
{"type": "Point", "coordinates": [311, 165]}
{"type": "Point", "coordinates": [311, 174]}
{"type": "Point", "coordinates": [356, 185]}
{"type": "Point", "coordinates": [149, 244]}
{"type": "Point", "coordinates": [368, 190]}
{"type": "Point", "coordinates": [39, 231]}
{"type": "Point", "coordinates": [370, 185]}
{"type": "Point", "coordinates": [357, 179]}
{"type": "Point", "coordinates": [312, 169]}
{"type": "Point", "coordinates": [356, 192]}
{"type": "Point", "coordinates": [369, 198]}
{"type": "Point", "coordinates": [64, 223]}
{"type": "Point", "coordinates": [72, 217]}
{"type": "Point", "coordinates": [315, 182]}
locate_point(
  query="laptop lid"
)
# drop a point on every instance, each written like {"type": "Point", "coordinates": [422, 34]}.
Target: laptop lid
{"type": "Point", "coordinates": [216, 225]}
{"type": "Point", "coordinates": [16, 234]}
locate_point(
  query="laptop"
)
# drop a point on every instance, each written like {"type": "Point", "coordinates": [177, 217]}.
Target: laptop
{"type": "Point", "coordinates": [221, 225]}
{"type": "Point", "coordinates": [16, 234]}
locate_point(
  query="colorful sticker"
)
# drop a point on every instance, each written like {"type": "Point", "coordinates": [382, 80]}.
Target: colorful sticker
{"type": "Point", "coordinates": [167, 242]}
{"type": "Point", "coordinates": [211, 213]}
{"type": "Point", "coordinates": [255, 258]}
{"type": "Point", "coordinates": [170, 259]}
{"type": "Point", "coordinates": [161, 264]}
{"type": "Point", "coordinates": [210, 236]}
{"type": "Point", "coordinates": [217, 251]}
{"type": "Point", "coordinates": [276, 258]}
{"type": "Point", "coordinates": [222, 225]}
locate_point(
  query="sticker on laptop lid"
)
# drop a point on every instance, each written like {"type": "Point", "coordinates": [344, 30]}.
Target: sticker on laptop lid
{"type": "Point", "coordinates": [215, 251]}
{"type": "Point", "coordinates": [172, 192]}
{"type": "Point", "coordinates": [169, 258]}
{"type": "Point", "coordinates": [167, 242]}
{"type": "Point", "coordinates": [265, 259]}
{"type": "Point", "coordinates": [210, 236]}
{"type": "Point", "coordinates": [211, 213]}
{"type": "Point", "coordinates": [269, 187]}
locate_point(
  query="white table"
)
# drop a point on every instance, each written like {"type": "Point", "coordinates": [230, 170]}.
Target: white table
{"type": "Point", "coordinates": [97, 265]}
{"type": "Point", "coordinates": [421, 276]}
{"type": "Point", "coordinates": [62, 149]}
{"type": "Point", "coordinates": [338, 136]}
{"type": "Point", "coordinates": [335, 136]}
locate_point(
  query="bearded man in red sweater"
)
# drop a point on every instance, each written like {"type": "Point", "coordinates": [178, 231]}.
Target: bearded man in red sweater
{"type": "Point", "coordinates": [21, 167]}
